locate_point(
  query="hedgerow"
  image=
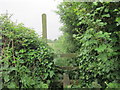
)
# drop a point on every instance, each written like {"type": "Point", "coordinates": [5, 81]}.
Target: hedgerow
{"type": "Point", "coordinates": [26, 61]}
{"type": "Point", "coordinates": [94, 28]}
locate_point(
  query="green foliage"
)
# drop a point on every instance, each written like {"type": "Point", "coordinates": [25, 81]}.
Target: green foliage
{"type": "Point", "coordinates": [113, 85]}
{"type": "Point", "coordinates": [62, 62]}
{"type": "Point", "coordinates": [118, 21]}
{"type": "Point", "coordinates": [94, 29]}
{"type": "Point", "coordinates": [27, 62]}
{"type": "Point", "coordinates": [63, 45]}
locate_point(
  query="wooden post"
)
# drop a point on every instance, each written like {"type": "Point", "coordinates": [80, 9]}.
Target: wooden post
{"type": "Point", "coordinates": [44, 27]}
{"type": "Point", "coordinates": [66, 80]}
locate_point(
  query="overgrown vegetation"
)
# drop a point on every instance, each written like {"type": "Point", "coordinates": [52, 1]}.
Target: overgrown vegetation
{"type": "Point", "coordinates": [27, 62]}
{"type": "Point", "coordinates": [93, 29]}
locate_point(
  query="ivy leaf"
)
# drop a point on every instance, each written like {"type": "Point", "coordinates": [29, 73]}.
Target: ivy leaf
{"type": "Point", "coordinates": [13, 68]}
{"type": "Point", "coordinates": [21, 61]}
{"type": "Point", "coordinates": [106, 10]}
{"type": "Point", "coordinates": [27, 80]}
{"type": "Point", "coordinates": [118, 20]}
{"type": "Point", "coordinates": [12, 85]}
{"type": "Point", "coordinates": [6, 78]}
{"type": "Point", "coordinates": [101, 48]}
{"type": "Point", "coordinates": [102, 56]}
{"type": "Point", "coordinates": [22, 51]}
{"type": "Point", "coordinates": [116, 10]}
{"type": "Point", "coordinates": [102, 24]}
{"type": "Point", "coordinates": [14, 61]}
{"type": "Point", "coordinates": [106, 15]}
{"type": "Point", "coordinates": [51, 73]}
{"type": "Point", "coordinates": [45, 75]}
{"type": "Point", "coordinates": [43, 85]}
{"type": "Point", "coordinates": [95, 3]}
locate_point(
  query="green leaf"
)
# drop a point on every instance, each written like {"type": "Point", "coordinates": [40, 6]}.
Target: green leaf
{"type": "Point", "coordinates": [27, 80]}
{"type": "Point", "coordinates": [95, 3]}
{"type": "Point", "coordinates": [14, 61]}
{"type": "Point", "coordinates": [118, 20]}
{"type": "Point", "coordinates": [45, 75]}
{"type": "Point", "coordinates": [51, 73]}
{"type": "Point", "coordinates": [101, 48]}
{"type": "Point", "coordinates": [12, 85]}
{"type": "Point", "coordinates": [106, 10]}
{"type": "Point", "coordinates": [43, 85]}
{"type": "Point", "coordinates": [22, 51]}
{"type": "Point", "coordinates": [99, 8]}
{"type": "Point", "coordinates": [102, 56]}
{"type": "Point", "coordinates": [116, 10]}
{"type": "Point", "coordinates": [102, 23]}
{"type": "Point", "coordinates": [21, 61]}
{"type": "Point", "coordinates": [114, 85]}
{"type": "Point", "coordinates": [6, 78]}
{"type": "Point", "coordinates": [106, 15]}
{"type": "Point", "coordinates": [13, 68]}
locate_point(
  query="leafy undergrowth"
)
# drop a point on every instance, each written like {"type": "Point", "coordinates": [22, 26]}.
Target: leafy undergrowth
{"type": "Point", "coordinates": [93, 28]}
{"type": "Point", "coordinates": [27, 62]}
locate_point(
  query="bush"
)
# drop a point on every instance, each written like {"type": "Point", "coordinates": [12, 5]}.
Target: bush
{"type": "Point", "coordinates": [95, 27]}
{"type": "Point", "coordinates": [26, 60]}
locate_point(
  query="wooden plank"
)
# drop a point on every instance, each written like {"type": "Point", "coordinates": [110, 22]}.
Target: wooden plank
{"type": "Point", "coordinates": [66, 80]}
{"type": "Point", "coordinates": [66, 67]}
{"type": "Point", "coordinates": [44, 27]}
{"type": "Point", "coordinates": [71, 81]}
{"type": "Point", "coordinates": [66, 55]}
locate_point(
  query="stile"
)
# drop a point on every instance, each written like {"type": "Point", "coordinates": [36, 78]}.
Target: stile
{"type": "Point", "coordinates": [66, 81]}
{"type": "Point", "coordinates": [66, 55]}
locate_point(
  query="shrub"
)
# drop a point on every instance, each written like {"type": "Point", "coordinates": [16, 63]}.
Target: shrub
{"type": "Point", "coordinates": [95, 30]}
{"type": "Point", "coordinates": [27, 61]}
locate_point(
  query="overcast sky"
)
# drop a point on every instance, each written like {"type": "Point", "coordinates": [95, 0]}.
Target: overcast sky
{"type": "Point", "coordinates": [29, 13]}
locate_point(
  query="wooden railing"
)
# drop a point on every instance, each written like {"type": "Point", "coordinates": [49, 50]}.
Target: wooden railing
{"type": "Point", "coordinates": [66, 80]}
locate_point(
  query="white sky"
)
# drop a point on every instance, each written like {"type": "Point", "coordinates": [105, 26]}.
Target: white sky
{"type": "Point", "coordinates": [29, 13]}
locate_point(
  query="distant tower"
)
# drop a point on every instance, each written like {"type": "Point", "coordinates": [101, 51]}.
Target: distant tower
{"type": "Point", "coordinates": [44, 27]}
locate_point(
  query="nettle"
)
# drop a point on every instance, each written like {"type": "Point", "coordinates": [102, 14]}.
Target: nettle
{"type": "Point", "coordinates": [26, 60]}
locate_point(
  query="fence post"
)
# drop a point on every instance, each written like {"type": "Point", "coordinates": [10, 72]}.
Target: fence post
{"type": "Point", "coordinates": [66, 80]}
{"type": "Point", "coordinates": [44, 27]}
